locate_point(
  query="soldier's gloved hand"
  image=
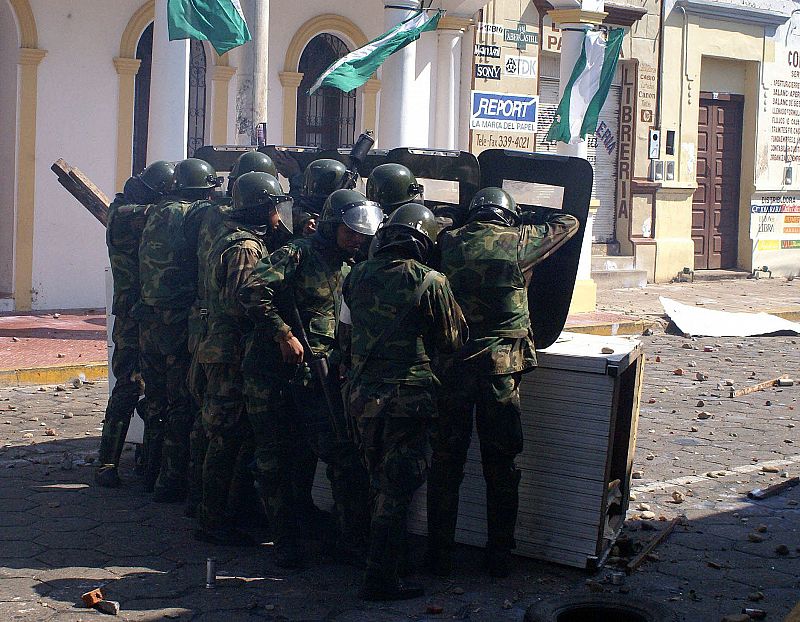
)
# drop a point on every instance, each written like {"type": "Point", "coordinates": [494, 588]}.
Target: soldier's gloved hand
{"type": "Point", "coordinates": [291, 350]}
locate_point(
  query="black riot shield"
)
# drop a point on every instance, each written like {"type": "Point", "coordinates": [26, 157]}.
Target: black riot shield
{"type": "Point", "coordinates": [306, 155]}
{"type": "Point", "coordinates": [550, 290]}
{"type": "Point", "coordinates": [443, 165]}
{"type": "Point", "coordinates": [221, 157]}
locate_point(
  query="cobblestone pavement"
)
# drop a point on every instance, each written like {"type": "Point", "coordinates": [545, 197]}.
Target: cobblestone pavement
{"type": "Point", "coordinates": [61, 536]}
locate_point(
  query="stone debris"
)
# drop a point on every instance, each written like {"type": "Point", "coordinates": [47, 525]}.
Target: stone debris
{"type": "Point", "coordinates": [458, 591]}
{"type": "Point", "coordinates": [60, 355]}
{"type": "Point", "coordinates": [506, 604]}
{"type": "Point", "coordinates": [736, 617]}
{"type": "Point", "coordinates": [692, 364]}
{"type": "Point", "coordinates": [67, 416]}
{"type": "Point", "coordinates": [728, 382]}
{"type": "Point", "coordinates": [607, 350]}
{"type": "Point", "coordinates": [437, 609]}
{"type": "Point", "coordinates": [770, 469]}
{"type": "Point", "coordinates": [701, 376]}
{"type": "Point", "coordinates": [110, 607]}
{"type": "Point", "coordinates": [782, 549]}
{"type": "Point", "coordinates": [648, 515]}
{"type": "Point", "coordinates": [755, 537]}
{"type": "Point", "coordinates": [27, 435]}
{"type": "Point", "coordinates": [755, 597]}
{"type": "Point", "coordinates": [687, 346]}
{"type": "Point", "coordinates": [677, 496]}
{"type": "Point", "coordinates": [678, 372]}
{"type": "Point", "coordinates": [49, 432]}
{"type": "Point", "coordinates": [92, 597]}
{"type": "Point", "coordinates": [643, 507]}
{"type": "Point", "coordinates": [703, 415]}
{"type": "Point", "coordinates": [694, 428]}
{"type": "Point", "coordinates": [700, 403]}
{"type": "Point", "coordinates": [708, 348]}
{"type": "Point", "coordinates": [761, 529]}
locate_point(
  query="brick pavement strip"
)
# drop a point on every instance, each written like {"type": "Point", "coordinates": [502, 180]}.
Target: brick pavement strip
{"type": "Point", "coordinates": [60, 536]}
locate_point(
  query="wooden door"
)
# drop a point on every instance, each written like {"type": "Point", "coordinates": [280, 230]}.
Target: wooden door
{"type": "Point", "coordinates": [715, 205]}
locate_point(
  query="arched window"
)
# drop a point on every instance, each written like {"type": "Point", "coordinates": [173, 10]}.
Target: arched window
{"type": "Point", "coordinates": [197, 98]}
{"type": "Point", "coordinates": [327, 118]}
{"type": "Point", "coordinates": [141, 106]}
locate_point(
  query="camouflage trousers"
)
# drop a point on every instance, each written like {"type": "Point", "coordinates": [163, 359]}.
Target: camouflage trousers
{"type": "Point", "coordinates": [292, 430]}
{"type": "Point", "coordinates": [393, 422]}
{"type": "Point", "coordinates": [125, 394]}
{"type": "Point", "coordinates": [495, 400]}
{"type": "Point", "coordinates": [165, 366]}
{"type": "Point", "coordinates": [225, 430]}
{"type": "Point", "coordinates": [198, 442]}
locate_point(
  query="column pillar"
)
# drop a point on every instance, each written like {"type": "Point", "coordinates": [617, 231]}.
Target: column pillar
{"type": "Point", "coordinates": [290, 80]}
{"type": "Point", "coordinates": [127, 68]}
{"type": "Point", "coordinates": [370, 108]}
{"type": "Point", "coordinates": [573, 24]}
{"type": "Point", "coordinates": [220, 80]}
{"type": "Point", "coordinates": [448, 80]}
{"type": "Point", "coordinates": [167, 131]}
{"type": "Point", "coordinates": [28, 61]}
{"type": "Point", "coordinates": [260, 64]}
{"type": "Point", "coordinates": [399, 114]}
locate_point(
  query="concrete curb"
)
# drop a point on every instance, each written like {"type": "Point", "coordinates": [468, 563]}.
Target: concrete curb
{"type": "Point", "coordinates": [57, 374]}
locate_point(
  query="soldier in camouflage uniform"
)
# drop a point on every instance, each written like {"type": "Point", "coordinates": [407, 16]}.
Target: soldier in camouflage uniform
{"type": "Point", "coordinates": [202, 226]}
{"type": "Point", "coordinates": [168, 278]}
{"type": "Point", "coordinates": [285, 405]}
{"type": "Point", "coordinates": [259, 209]}
{"type": "Point", "coordinates": [404, 323]}
{"type": "Point", "coordinates": [127, 215]}
{"type": "Point", "coordinates": [488, 262]}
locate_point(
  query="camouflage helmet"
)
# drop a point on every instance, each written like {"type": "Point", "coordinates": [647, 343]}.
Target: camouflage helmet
{"type": "Point", "coordinates": [322, 177]}
{"type": "Point", "coordinates": [496, 201]}
{"type": "Point", "coordinates": [256, 195]}
{"type": "Point", "coordinates": [354, 210]}
{"type": "Point", "coordinates": [195, 174]}
{"type": "Point", "coordinates": [411, 226]}
{"type": "Point", "coordinates": [392, 185]}
{"type": "Point", "coordinates": [253, 161]}
{"type": "Point", "coordinates": [158, 176]}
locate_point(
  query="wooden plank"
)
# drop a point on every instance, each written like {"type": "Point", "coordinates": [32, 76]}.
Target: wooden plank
{"type": "Point", "coordinates": [82, 188]}
{"type": "Point", "coordinates": [757, 387]}
{"type": "Point", "coordinates": [775, 489]}
{"type": "Point", "coordinates": [652, 544]}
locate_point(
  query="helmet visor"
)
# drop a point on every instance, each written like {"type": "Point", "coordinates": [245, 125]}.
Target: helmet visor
{"type": "Point", "coordinates": [284, 207]}
{"type": "Point", "coordinates": [364, 218]}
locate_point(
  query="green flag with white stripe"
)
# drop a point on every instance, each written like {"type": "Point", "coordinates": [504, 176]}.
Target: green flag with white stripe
{"type": "Point", "coordinates": [354, 69]}
{"type": "Point", "coordinates": [587, 88]}
{"type": "Point", "coordinates": [220, 22]}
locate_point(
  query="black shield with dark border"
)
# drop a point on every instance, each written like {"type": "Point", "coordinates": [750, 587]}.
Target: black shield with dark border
{"type": "Point", "coordinates": [553, 280]}
{"type": "Point", "coordinates": [444, 165]}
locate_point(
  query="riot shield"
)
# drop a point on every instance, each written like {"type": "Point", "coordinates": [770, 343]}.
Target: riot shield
{"type": "Point", "coordinates": [221, 157]}
{"type": "Point", "coordinates": [554, 181]}
{"type": "Point", "coordinates": [460, 167]}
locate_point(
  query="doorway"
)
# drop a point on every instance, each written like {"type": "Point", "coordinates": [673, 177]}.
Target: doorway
{"type": "Point", "coordinates": [327, 118]}
{"type": "Point", "coordinates": [715, 204]}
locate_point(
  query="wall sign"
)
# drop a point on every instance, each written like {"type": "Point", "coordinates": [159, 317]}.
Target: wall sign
{"type": "Point", "coordinates": [520, 67]}
{"type": "Point", "coordinates": [487, 50]}
{"type": "Point", "coordinates": [521, 36]}
{"type": "Point", "coordinates": [487, 72]}
{"type": "Point", "coordinates": [503, 111]}
{"type": "Point", "coordinates": [491, 29]}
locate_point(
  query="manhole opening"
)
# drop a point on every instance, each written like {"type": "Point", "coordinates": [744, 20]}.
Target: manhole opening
{"type": "Point", "coordinates": [600, 613]}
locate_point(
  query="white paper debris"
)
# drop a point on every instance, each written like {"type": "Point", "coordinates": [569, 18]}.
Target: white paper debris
{"type": "Point", "coordinates": [710, 323]}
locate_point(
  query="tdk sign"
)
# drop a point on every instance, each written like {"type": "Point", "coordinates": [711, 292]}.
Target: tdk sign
{"type": "Point", "coordinates": [503, 111]}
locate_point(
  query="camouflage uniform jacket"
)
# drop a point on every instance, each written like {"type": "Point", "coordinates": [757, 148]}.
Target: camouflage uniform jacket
{"type": "Point", "coordinates": [375, 292]}
{"type": "Point", "coordinates": [489, 267]}
{"type": "Point", "coordinates": [232, 258]}
{"type": "Point", "coordinates": [308, 272]}
{"type": "Point", "coordinates": [201, 228]}
{"type": "Point", "coordinates": [124, 229]}
{"type": "Point", "coordinates": [167, 265]}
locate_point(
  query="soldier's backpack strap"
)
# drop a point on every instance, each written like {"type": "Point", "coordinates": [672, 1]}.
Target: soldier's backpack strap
{"type": "Point", "coordinates": [398, 319]}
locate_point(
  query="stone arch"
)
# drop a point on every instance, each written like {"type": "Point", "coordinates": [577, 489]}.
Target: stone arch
{"type": "Point", "coordinates": [290, 78]}
{"type": "Point", "coordinates": [26, 23]}
{"type": "Point", "coordinates": [136, 25]}
{"type": "Point", "coordinates": [317, 25]}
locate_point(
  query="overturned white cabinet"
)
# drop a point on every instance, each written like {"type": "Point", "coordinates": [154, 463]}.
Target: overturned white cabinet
{"type": "Point", "coordinates": [580, 412]}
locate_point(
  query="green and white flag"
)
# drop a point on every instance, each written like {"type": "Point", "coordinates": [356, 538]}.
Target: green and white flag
{"type": "Point", "coordinates": [587, 88]}
{"type": "Point", "coordinates": [354, 69]}
{"type": "Point", "coordinates": [220, 22]}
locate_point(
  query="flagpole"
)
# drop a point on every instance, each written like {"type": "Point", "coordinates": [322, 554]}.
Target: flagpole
{"type": "Point", "coordinates": [260, 56]}
{"type": "Point", "coordinates": [573, 23]}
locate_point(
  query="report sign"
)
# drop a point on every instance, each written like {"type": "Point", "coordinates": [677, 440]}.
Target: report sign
{"type": "Point", "coordinates": [503, 111]}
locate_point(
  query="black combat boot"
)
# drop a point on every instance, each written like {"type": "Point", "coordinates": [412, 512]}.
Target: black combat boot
{"type": "Point", "coordinates": [380, 579]}
{"type": "Point", "coordinates": [107, 476]}
{"type": "Point", "coordinates": [502, 503]}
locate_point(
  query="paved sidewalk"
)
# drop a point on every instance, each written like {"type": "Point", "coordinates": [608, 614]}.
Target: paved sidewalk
{"type": "Point", "coordinates": [61, 536]}
{"type": "Point", "coordinates": [42, 348]}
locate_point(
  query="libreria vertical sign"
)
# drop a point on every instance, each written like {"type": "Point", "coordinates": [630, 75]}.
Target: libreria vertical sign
{"type": "Point", "coordinates": [504, 111]}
